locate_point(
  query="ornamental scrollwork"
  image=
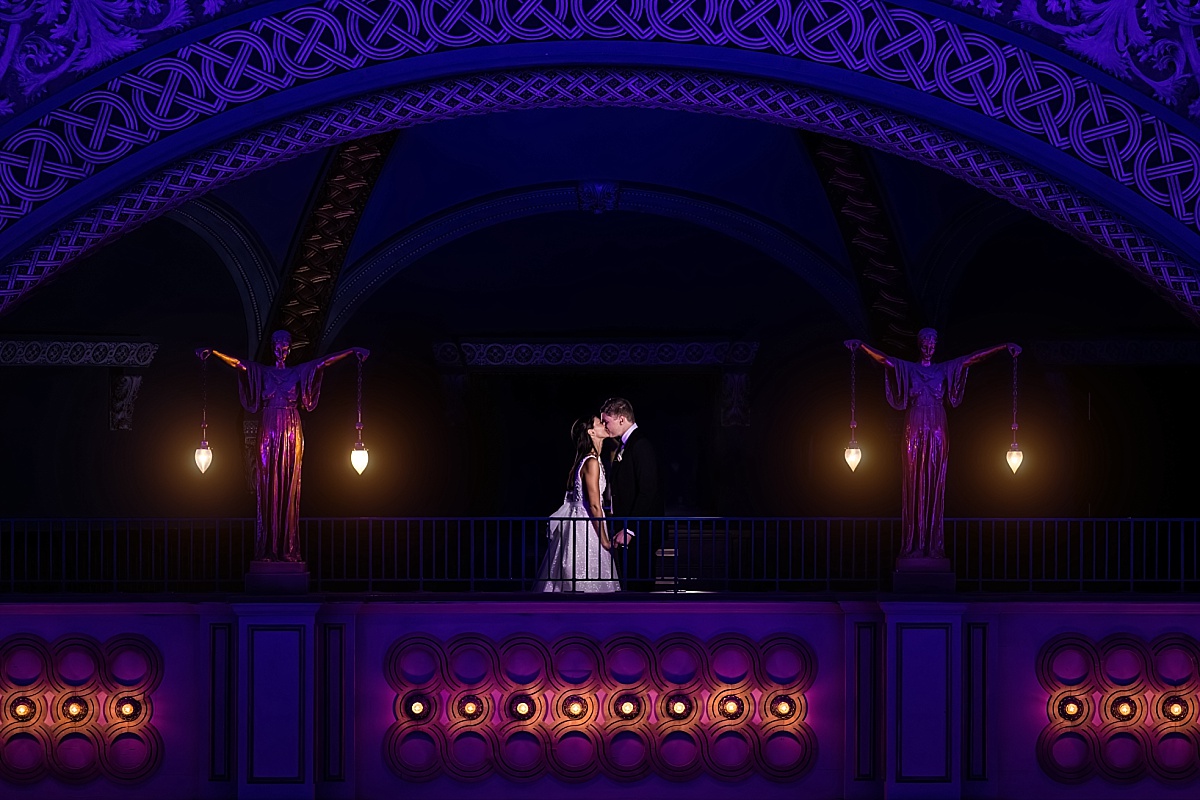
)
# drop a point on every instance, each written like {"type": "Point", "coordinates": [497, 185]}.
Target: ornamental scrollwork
{"type": "Point", "coordinates": [46, 44]}
{"type": "Point", "coordinates": [910, 48]}
{"type": "Point", "coordinates": [1149, 44]}
{"type": "Point", "coordinates": [995, 172]}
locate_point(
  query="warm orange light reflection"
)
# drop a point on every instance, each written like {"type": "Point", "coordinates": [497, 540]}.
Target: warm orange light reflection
{"type": "Point", "coordinates": [783, 708]}
{"type": "Point", "coordinates": [627, 708]}
{"type": "Point", "coordinates": [575, 709]}
{"type": "Point", "coordinates": [126, 709]}
{"type": "Point", "coordinates": [470, 709]}
{"type": "Point", "coordinates": [23, 710]}
{"type": "Point", "coordinates": [730, 707]}
{"type": "Point", "coordinates": [1124, 709]}
{"type": "Point", "coordinates": [1175, 710]}
{"type": "Point", "coordinates": [1071, 709]}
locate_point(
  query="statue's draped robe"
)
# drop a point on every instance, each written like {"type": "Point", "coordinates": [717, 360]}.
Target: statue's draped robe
{"type": "Point", "coordinates": [277, 391]}
{"type": "Point", "coordinates": [922, 391]}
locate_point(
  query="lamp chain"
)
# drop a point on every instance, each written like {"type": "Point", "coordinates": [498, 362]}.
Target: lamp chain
{"type": "Point", "coordinates": [359, 426]}
{"type": "Point", "coordinates": [204, 399]}
{"type": "Point", "coordinates": [1014, 423]}
{"type": "Point", "coordinates": [853, 362]}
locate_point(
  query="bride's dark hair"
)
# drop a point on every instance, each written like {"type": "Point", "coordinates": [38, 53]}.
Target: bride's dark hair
{"type": "Point", "coordinates": [583, 445]}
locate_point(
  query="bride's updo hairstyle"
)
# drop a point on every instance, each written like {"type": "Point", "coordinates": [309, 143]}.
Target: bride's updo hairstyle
{"type": "Point", "coordinates": [583, 444]}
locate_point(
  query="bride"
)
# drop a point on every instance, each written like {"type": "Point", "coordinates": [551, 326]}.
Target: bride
{"type": "Point", "coordinates": [580, 557]}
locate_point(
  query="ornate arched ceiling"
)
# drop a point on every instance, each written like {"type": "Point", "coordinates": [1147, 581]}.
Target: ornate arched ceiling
{"type": "Point", "coordinates": [999, 110]}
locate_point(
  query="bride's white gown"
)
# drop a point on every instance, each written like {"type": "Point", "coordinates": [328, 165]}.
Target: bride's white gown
{"type": "Point", "coordinates": [576, 561]}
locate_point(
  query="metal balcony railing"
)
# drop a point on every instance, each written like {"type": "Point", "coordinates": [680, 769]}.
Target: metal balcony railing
{"type": "Point", "coordinates": [380, 555]}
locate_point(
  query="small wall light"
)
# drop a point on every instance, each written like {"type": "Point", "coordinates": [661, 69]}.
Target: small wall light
{"type": "Point", "coordinates": [1175, 708]}
{"type": "Point", "coordinates": [1070, 708]}
{"type": "Point", "coordinates": [783, 707]}
{"type": "Point", "coordinates": [75, 708]}
{"type": "Point", "coordinates": [1123, 708]}
{"type": "Point", "coordinates": [23, 709]}
{"type": "Point", "coordinates": [470, 706]}
{"type": "Point", "coordinates": [129, 709]}
{"type": "Point", "coordinates": [731, 707]}
{"type": "Point", "coordinates": [417, 707]}
{"type": "Point", "coordinates": [574, 706]}
{"type": "Point", "coordinates": [679, 706]}
{"type": "Point", "coordinates": [628, 706]}
{"type": "Point", "coordinates": [521, 707]}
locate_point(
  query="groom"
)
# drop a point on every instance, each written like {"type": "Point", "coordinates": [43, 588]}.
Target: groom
{"type": "Point", "coordinates": [635, 495]}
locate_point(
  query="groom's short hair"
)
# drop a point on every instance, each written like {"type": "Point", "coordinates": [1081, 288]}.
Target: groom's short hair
{"type": "Point", "coordinates": [618, 407]}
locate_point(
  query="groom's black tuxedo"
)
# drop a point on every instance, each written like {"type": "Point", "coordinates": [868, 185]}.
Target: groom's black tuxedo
{"type": "Point", "coordinates": [636, 494]}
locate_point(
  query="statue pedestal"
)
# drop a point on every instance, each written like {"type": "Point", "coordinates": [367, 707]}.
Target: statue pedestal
{"type": "Point", "coordinates": [277, 577]}
{"type": "Point", "coordinates": [923, 575]}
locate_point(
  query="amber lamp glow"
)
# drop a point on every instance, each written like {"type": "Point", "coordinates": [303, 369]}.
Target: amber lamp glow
{"type": "Point", "coordinates": [22, 709]}
{"type": "Point", "coordinates": [783, 707]}
{"type": "Point", "coordinates": [574, 707]}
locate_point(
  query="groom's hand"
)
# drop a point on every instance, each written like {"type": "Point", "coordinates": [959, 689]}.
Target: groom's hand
{"type": "Point", "coordinates": [622, 538]}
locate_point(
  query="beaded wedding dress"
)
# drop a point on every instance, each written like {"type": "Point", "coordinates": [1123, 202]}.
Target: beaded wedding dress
{"type": "Point", "coordinates": [576, 561]}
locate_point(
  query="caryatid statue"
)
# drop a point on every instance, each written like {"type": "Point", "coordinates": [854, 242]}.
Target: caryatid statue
{"type": "Point", "coordinates": [279, 391]}
{"type": "Point", "coordinates": [921, 389]}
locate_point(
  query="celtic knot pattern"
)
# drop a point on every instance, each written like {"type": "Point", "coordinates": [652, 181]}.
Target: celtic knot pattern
{"type": "Point", "coordinates": [1121, 708]}
{"type": "Point", "coordinates": [596, 354]}
{"type": "Point", "coordinates": [576, 708]}
{"type": "Point", "coordinates": [75, 354]}
{"type": "Point", "coordinates": [995, 172]}
{"type": "Point", "coordinates": [1087, 123]}
{"type": "Point", "coordinates": [77, 709]}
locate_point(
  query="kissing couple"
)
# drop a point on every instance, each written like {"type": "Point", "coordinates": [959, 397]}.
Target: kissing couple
{"type": "Point", "coordinates": [586, 547]}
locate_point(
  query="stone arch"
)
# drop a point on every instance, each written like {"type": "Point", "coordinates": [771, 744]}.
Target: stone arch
{"type": "Point", "coordinates": [242, 254]}
{"type": "Point", "coordinates": [361, 280]}
{"type": "Point", "coordinates": [997, 109]}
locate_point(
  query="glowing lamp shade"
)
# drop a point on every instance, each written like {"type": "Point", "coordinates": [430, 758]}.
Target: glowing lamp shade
{"type": "Point", "coordinates": [575, 706]}
{"type": "Point", "coordinates": [203, 457]}
{"type": "Point", "coordinates": [628, 706]}
{"type": "Point", "coordinates": [417, 708]}
{"type": "Point", "coordinates": [75, 708]}
{"type": "Point", "coordinates": [1071, 709]}
{"type": "Point", "coordinates": [470, 709]}
{"type": "Point", "coordinates": [731, 707]}
{"type": "Point", "coordinates": [1123, 708]}
{"type": "Point", "coordinates": [358, 457]}
{"type": "Point", "coordinates": [1175, 708]}
{"type": "Point", "coordinates": [521, 707]}
{"type": "Point", "coordinates": [128, 709]}
{"type": "Point", "coordinates": [679, 707]}
{"type": "Point", "coordinates": [23, 709]}
{"type": "Point", "coordinates": [1014, 457]}
{"type": "Point", "coordinates": [783, 707]}
{"type": "Point", "coordinates": [853, 456]}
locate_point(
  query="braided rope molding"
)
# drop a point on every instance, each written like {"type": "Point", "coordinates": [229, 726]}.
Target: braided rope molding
{"type": "Point", "coordinates": [984, 167]}
{"type": "Point", "coordinates": [55, 353]}
{"type": "Point", "coordinates": [1094, 127]}
{"type": "Point", "coordinates": [1154, 63]}
{"type": "Point", "coordinates": [522, 355]}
